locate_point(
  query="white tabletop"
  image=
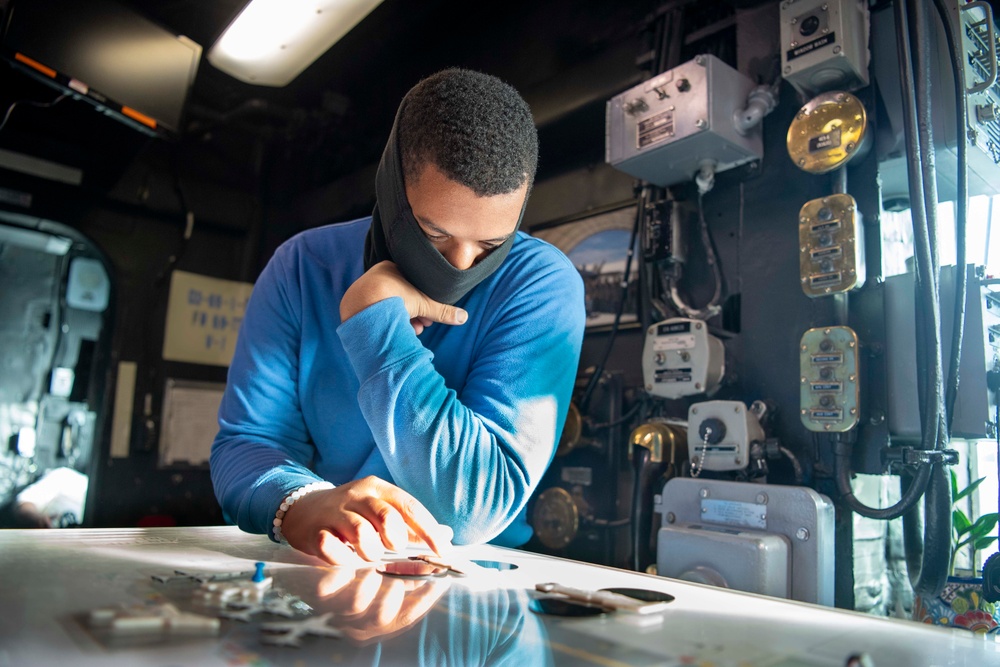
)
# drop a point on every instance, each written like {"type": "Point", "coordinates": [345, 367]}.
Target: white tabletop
{"type": "Point", "coordinates": [50, 580]}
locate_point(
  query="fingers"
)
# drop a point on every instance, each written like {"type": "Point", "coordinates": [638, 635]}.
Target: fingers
{"type": "Point", "coordinates": [358, 521]}
{"type": "Point", "coordinates": [335, 551]}
{"type": "Point", "coordinates": [390, 525]}
{"type": "Point", "coordinates": [440, 312]}
{"type": "Point", "coordinates": [420, 323]}
{"type": "Point", "coordinates": [418, 519]}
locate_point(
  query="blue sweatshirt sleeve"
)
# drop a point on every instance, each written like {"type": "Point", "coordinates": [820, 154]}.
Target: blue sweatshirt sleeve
{"type": "Point", "coordinates": [262, 451]}
{"type": "Point", "coordinates": [474, 458]}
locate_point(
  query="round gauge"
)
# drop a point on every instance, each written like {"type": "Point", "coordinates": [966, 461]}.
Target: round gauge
{"type": "Point", "coordinates": [828, 132]}
{"type": "Point", "coordinates": [555, 518]}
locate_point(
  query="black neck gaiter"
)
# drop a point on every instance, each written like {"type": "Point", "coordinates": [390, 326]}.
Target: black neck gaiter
{"type": "Point", "coordinates": [396, 236]}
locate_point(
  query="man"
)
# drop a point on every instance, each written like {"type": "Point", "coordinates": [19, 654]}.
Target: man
{"type": "Point", "coordinates": [414, 367]}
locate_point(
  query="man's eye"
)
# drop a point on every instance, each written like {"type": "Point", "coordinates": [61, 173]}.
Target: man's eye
{"type": "Point", "coordinates": [491, 246]}
{"type": "Point", "coordinates": [435, 237]}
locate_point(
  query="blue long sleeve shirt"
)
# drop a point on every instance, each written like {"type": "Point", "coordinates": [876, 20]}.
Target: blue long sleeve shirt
{"type": "Point", "coordinates": [464, 418]}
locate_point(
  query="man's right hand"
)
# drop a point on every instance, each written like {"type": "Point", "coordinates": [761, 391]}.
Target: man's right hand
{"type": "Point", "coordinates": [384, 280]}
{"type": "Point", "coordinates": [359, 521]}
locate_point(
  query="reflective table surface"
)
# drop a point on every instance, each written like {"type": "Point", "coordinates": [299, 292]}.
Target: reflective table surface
{"type": "Point", "coordinates": [52, 580]}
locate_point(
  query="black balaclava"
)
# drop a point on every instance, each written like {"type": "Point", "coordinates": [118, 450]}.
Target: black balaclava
{"type": "Point", "coordinates": [396, 236]}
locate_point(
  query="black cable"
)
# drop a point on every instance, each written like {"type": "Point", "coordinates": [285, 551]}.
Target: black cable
{"type": "Point", "coordinates": [922, 241]}
{"type": "Point", "coordinates": [842, 450]}
{"type": "Point", "coordinates": [928, 329]}
{"type": "Point", "coordinates": [961, 215]}
{"type": "Point", "coordinates": [932, 574]}
{"type": "Point", "coordinates": [40, 105]}
{"type": "Point", "coordinates": [599, 370]}
{"type": "Point", "coordinates": [640, 461]}
{"type": "Point", "coordinates": [712, 258]}
{"type": "Point", "coordinates": [621, 420]}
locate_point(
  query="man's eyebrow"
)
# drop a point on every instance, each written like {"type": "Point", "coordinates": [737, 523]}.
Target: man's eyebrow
{"type": "Point", "coordinates": [434, 228]}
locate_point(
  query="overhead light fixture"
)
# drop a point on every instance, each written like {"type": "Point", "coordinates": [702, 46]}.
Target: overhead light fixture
{"type": "Point", "coordinates": [272, 41]}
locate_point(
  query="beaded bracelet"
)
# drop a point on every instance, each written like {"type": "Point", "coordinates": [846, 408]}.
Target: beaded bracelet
{"type": "Point", "coordinates": [290, 500]}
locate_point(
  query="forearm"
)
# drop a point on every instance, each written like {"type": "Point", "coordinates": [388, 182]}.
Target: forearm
{"type": "Point", "coordinates": [251, 479]}
{"type": "Point", "coordinates": [474, 459]}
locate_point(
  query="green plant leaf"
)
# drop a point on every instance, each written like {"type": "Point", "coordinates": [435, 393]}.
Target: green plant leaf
{"type": "Point", "coordinates": [984, 542]}
{"type": "Point", "coordinates": [954, 484]}
{"type": "Point", "coordinates": [956, 496]}
{"type": "Point", "coordinates": [960, 522]}
{"type": "Point", "coordinates": [983, 525]}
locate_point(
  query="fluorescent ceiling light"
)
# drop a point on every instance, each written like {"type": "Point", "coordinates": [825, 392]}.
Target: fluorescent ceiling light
{"type": "Point", "coordinates": [272, 41]}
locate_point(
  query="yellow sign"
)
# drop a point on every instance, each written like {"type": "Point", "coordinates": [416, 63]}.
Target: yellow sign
{"type": "Point", "coordinates": [203, 318]}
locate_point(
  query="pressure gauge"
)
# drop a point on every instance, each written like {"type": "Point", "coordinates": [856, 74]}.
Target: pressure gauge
{"type": "Point", "coordinates": [555, 519]}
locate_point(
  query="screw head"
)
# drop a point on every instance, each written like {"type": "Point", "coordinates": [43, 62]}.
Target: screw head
{"type": "Point", "coordinates": [762, 498]}
{"type": "Point", "coordinates": [802, 534]}
{"type": "Point", "coordinates": [671, 517]}
{"type": "Point", "coordinates": [703, 493]}
{"type": "Point", "coordinates": [701, 123]}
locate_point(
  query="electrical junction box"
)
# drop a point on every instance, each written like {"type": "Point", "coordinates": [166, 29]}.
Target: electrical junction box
{"type": "Point", "coordinates": [831, 246]}
{"type": "Point", "coordinates": [824, 44]}
{"type": "Point", "coordinates": [758, 538]}
{"type": "Point", "coordinates": [979, 368]}
{"type": "Point", "coordinates": [758, 562]}
{"type": "Point", "coordinates": [719, 435]}
{"type": "Point", "coordinates": [829, 390]}
{"type": "Point", "coordinates": [680, 358]}
{"type": "Point", "coordinates": [662, 130]}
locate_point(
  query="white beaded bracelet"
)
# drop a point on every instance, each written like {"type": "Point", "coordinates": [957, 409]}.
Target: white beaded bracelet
{"type": "Point", "coordinates": [290, 500]}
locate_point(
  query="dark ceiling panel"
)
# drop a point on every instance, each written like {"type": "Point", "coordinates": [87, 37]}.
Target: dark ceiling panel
{"type": "Point", "coordinates": [333, 119]}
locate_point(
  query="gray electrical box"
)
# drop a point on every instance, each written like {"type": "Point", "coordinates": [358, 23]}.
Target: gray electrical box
{"type": "Point", "coordinates": [824, 44]}
{"type": "Point", "coordinates": [680, 358]}
{"type": "Point", "coordinates": [975, 404]}
{"type": "Point", "coordinates": [753, 537]}
{"type": "Point", "coordinates": [664, 129]}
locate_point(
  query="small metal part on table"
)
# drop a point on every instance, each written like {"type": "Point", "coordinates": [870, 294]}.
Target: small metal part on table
{"type": "Point", "coordinates": [606, 599]}
{"type": "Point", "coordinates": [290, 633]}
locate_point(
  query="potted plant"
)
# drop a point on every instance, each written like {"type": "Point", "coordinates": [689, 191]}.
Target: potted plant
{"type": "Point", "coordinates": [961, 603]}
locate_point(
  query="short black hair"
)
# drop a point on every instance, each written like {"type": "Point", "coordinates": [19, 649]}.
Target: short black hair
{"type": "Point", "coordinates": [472, 126]}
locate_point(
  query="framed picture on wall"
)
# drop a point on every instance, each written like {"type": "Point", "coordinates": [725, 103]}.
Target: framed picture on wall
{"type": "Point", "coordinates": [597, 244]}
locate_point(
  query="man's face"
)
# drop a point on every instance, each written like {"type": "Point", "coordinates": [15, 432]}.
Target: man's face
{"type": "Point", "coordinates": [463, 226]}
